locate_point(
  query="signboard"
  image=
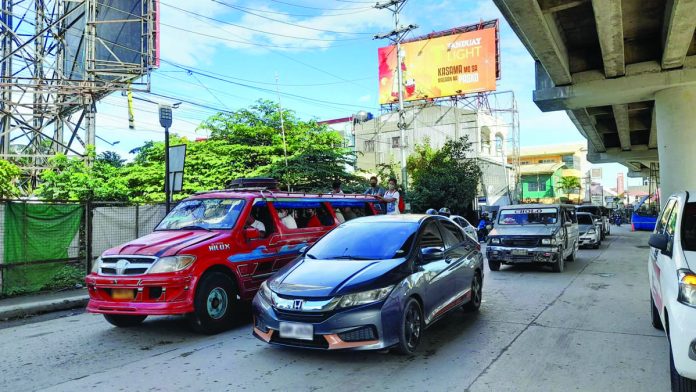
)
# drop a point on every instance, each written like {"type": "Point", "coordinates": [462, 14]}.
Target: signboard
{"type": "Point", "coordinates": [440, 67]}
{"type": "Point", "coordinates": [177, 157]}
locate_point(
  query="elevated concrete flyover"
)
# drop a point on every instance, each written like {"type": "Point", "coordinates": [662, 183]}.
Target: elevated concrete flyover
{"type": "Point", "coordinates": [625, 73]}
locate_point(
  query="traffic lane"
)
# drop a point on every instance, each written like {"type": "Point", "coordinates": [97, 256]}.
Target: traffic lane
{"type": "Point", "coordinates": [597, 334]}
{"type": "Point", "coordinates": [452, 355]}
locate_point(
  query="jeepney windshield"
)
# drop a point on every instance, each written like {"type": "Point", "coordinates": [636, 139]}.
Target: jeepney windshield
{"type": "Point", "coordinates": [528, 216]}
{"type": "Point", "coordinates": [205, 214]}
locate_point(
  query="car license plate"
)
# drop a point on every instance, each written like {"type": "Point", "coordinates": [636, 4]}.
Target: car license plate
{"type": "Point", "coordinates": [297, 331]}
{"type": "Point", "coordinates": [123, 293]}
{"type": "Point", "coordinates": [519, 252]}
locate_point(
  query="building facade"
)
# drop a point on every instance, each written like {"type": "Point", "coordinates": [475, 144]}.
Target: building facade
{"type": "Point", "coordinates": [541, 170]}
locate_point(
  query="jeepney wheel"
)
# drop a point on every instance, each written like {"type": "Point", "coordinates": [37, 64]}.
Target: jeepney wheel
{"type": "Point", "coordinates": [573, 255]}
{"type": "Point", "coordinates": [214, 304]}
{"type": "Point", "coordinates": [124, 320]}
{"type": "Point", "coordinates": [494, 265]}
{"type": "Point", "coordinates": [559, 265]}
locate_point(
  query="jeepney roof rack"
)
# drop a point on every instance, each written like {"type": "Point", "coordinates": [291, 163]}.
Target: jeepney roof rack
{"type": "Point", "coordinates": [256, 184]}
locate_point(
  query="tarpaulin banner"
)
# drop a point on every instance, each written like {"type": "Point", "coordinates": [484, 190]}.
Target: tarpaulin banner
{"type": "Point", "coordinates": [440, 67]}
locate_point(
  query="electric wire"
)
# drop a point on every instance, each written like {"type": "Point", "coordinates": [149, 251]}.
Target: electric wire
{"type": "Point", "coordinates": [359, 10]}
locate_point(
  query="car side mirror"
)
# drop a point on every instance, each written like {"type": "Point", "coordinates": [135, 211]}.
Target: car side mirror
{"type": "Point", "coordinates": [251, 233]}
{"type": "Point", "coordinates": [432, 253]}
{"type": "Point", "coordinates": [660, 241]}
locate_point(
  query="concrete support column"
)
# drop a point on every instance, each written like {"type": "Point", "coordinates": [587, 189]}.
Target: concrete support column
{"type": "Point", "coordinates": [676, 139]}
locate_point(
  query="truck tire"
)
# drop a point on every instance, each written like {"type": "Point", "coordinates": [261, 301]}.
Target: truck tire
{"type": "Point", "coordinates": [214, 304]}
{"type": "Point", "coordinates": [494, 265]}
{"type": "Point", "coordinates": [559, 265]}
{"type": "Point", "coordinates": [124, 320]}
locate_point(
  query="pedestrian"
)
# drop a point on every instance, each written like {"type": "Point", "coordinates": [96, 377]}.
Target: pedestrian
{"type": "Point", "coordinates": [391, 198]}
{"type": "Point", "coordinates": [444, 211]}
{"type": "Point", "coordinates": [336, 188]}
{"type": "Point", "coordinates": [482, 228]}
{"type": "Point", "coordinates": [376, 190]}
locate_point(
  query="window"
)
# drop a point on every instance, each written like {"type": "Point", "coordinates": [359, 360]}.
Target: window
{"type": "Point", "coordinates": [688, 233]}
{"type": "Point", "coordinates": [547, 160]}
{"type": "Point", "coordinates": [569, 161]}
{"type": "Point", "coordinates": [526, 216]}
{"type": "Point", "coordinates": [672, 222]}
{"type": "Point", "coordinates": [396, 142]}
{"type": "Point", "coordinates": [485, 140]}
{"type": "Point", "coordinates": [524, 163]}
{"type": "Point", "coordinates": [369, 145]}
{"type": "Point", "coordinates": [431, 238]}
{"type": "Point", "coordinates": [499, 144]}
{"type": "Point", "coordinates": [261, 213]}
{"type": "Point", "coordinates": [212, 214]}
{"type": "Point", "coordinates": [585, 219]}
{"type": "Point", "coordinates": [350, 209]}
{"type": "Point", "coordinates": [452, 235]}
{"type": "Point", "coordinates": [539, 186]}
{"type": "Point", "coordinates": [662, 222]}
{"type": "Point", "coordinates": [303, 213]}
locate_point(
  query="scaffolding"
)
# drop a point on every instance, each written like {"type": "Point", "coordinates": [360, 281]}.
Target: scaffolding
{"type": "Point", "coordinates": [59, 57]}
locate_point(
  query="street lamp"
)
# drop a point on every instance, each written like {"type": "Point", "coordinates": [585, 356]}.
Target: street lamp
{"type": "Point", "coordinates": [165, 118]}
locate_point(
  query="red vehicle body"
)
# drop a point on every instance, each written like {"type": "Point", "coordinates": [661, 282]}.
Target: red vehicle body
{"type": "Point", "coordinates": [209, 269]}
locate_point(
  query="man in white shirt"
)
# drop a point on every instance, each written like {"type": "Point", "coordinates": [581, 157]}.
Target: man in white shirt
{"type": "Point", "coordinates": [258, 225]}
{"type": "Point", "coordinates": [391, 197]}
{"type": "Point", "coordinates": [286, 219]}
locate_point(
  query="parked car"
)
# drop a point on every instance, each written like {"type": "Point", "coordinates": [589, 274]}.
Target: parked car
{"type": "Point", "coordinates": [210, 252]}
{"type": "Point", "coordinates": [534, 233]}
{"type": "Point", "coordinates": [590, 230]}
{"type": "Point", "coordinates": [671, 266]}
{"type": "Point", "coordinates": [603, 215]}
{"type": "Point", "coordinates": [469, 229]}
{"type": "Point", "coordinates": [372, 283]}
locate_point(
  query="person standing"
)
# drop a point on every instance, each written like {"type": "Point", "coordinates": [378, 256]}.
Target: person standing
{"type": "Point", "coordinates": [336, 187]}
{"type": "Point", "coordinates": [391, 198]}
{"type": "Point", "coordinates": [376, 190]}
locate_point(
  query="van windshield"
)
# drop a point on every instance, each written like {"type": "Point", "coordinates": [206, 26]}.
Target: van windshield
{"type": "Point", "coordinates": [205, 214]}
{"type": "Point", "coordinates": [528, 216]}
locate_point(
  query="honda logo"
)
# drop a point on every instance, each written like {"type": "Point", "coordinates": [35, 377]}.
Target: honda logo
{"type": "Point", "coordinates": [297, 304]}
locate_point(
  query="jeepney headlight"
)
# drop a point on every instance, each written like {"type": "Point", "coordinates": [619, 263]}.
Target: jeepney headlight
{"type": "Point", "coordinates": [495, 241]}
{"type": "Point", "coordinates": [266, 293]}
{"type": "Point", "coordinates": [548, 241]}
{"type": "Point", "coordinates": [172, 264]}
{"type": "Point", "coordinates": [97, 264]}
{"type": "Point", "coordinates": [687, 288]}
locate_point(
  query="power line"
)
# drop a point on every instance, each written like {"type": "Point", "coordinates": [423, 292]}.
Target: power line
{"type": "Point", "coordinates": [316, 8]}
{"type": "Point", "coordinates": [359, 10]}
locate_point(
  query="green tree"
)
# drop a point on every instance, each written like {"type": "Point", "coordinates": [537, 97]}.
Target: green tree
{"type": "Point", "coordinates": [444, 177]}
{"type": "Point", "coordinates": [569, 184]}
{"type": "Point", "coordinates": [9, 173]}
{"type": "Point", "coordinates": [111, 158]}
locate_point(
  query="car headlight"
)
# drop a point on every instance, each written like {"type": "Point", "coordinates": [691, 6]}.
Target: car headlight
{"type": "Point", "coordinates": [364, 298]}
{"type": "Point", "coordinates": [687, 288]}
{"type": "Point", "coordinates": [172, 264]}
{"type": "Point", "coordinates": [266, 293]}
{"type": "Point", "coordinates": [548, 241]}
{"type": "Point", "coordinates": [97, 264]}
{"type": "Point", "coordinates": [495, 241]}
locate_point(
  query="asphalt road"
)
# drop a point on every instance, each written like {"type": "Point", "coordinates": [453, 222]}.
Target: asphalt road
{"type": "Point", "coordinates": [587, 329]}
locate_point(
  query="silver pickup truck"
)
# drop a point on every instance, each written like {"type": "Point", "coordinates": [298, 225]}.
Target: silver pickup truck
{"type": "Point", "coordinates": [534, 233]}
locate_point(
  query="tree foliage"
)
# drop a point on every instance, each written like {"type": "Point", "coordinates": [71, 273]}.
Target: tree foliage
{"type": "Point", "coordinates": [569, 184]}
{"type": "Point", "coordinates": [444, 177]}
{"type": "Point", "coordinates": [9, 173]}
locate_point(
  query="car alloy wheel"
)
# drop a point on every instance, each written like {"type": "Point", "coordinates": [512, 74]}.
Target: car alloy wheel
{"type": "Point", "coordinates": [411, 327]}
{"type": "Point", "coordinates": [476, 294]}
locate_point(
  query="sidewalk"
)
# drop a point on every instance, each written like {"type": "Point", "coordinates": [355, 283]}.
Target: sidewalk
{"type": "Point", "coordinates": [29, 305]}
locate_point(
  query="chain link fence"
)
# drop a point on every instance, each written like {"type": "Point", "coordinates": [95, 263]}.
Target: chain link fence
{"type": "Point", "coordinates": [52, 245]}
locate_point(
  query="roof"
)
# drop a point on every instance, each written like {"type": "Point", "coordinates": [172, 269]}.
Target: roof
{"type": "Point", "coordinates": [245, 193]}
{"type": "Point", "coordinates": [553, 149]}
{"type": "Point", "coordinates": [541, 168]}
{"type": "Point", "coordinates": [530, 206]}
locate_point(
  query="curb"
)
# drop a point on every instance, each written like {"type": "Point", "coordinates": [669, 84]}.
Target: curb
{"type": "Point", "coordinates": [39, 307]}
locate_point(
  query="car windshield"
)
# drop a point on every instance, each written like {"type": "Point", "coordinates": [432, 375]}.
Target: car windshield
{"type": "Point", "coordinates": [366, 241]}
{"type": "Point", "coordinates": [585, 219]}
{"type": "Point", "coordinates": [205, 214]}
{"type": "Point", "coordinates": [528, 216]}
{"type": "Point", "coordinates": [594, 210]}
{"type": "Point", "coordinates": [689, 227]}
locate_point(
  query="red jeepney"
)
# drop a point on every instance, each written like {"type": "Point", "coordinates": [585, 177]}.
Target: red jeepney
{"type": "Point", "coordinates": [211, 251]}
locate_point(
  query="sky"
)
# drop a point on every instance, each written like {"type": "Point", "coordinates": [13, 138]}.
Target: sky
{"type": "Point", "coordinates": [318, 56]}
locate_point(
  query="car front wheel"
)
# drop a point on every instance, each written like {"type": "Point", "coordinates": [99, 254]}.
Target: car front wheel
{"type": "Point", "coordinates": [411, 327]}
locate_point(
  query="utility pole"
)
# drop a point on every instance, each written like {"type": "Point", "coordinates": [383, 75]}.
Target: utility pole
{"type": "Point", "coordinates": [282, 126]}
{"type": "Point", "coordinates": [396, 36]}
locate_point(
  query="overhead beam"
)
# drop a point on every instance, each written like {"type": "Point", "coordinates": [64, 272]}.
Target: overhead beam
{"type": "Point", "coordinates": [634, 87]}
{"type": "Point", "coordinates": [586, 126]}
{"type": "Point", "coordinates": [552, 6]}
{"type": "Point", "coordinates": [622, 126]}
{"type": "Point", "coordinates": [677, 32]}
{"type": "Point", "coordinates": [617, 155]}
{"type": "Point", "coordinates": [533, 26]}
{"type": "Point", "coordinates": [652, 142]}
{"type": "Point", "coordinates": [609, 21]}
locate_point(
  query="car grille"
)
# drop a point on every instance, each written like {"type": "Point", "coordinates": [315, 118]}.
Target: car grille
{"type": "Point", "coordinates": [520, 241]}
{"type": "Point", "coordinates": [359, 335]}
{"type": "Point", "coordinates": [306, 317]}
{"type": "Point", "coordinates": [317, 342]}
{"type": "Point", "coordinates": [135, 266]}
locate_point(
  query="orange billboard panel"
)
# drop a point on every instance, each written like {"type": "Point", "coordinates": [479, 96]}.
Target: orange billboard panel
{"type": "Point", "coordinates": [440, 67]}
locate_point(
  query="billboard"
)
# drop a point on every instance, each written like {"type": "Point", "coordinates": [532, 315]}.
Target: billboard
{"type": "Point", "coordinates": [444, 66]}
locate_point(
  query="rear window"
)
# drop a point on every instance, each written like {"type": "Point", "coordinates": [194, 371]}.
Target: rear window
{"type": "Point", "coordinates": [689, 227]}
{"type": "Point", "coordinates": [528, 216]}
{"type": "Point", "coordinates": [584, 219]}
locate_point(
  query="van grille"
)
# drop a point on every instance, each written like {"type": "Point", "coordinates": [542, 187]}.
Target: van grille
{"type": "Point", "coordinates": [521, 241]}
